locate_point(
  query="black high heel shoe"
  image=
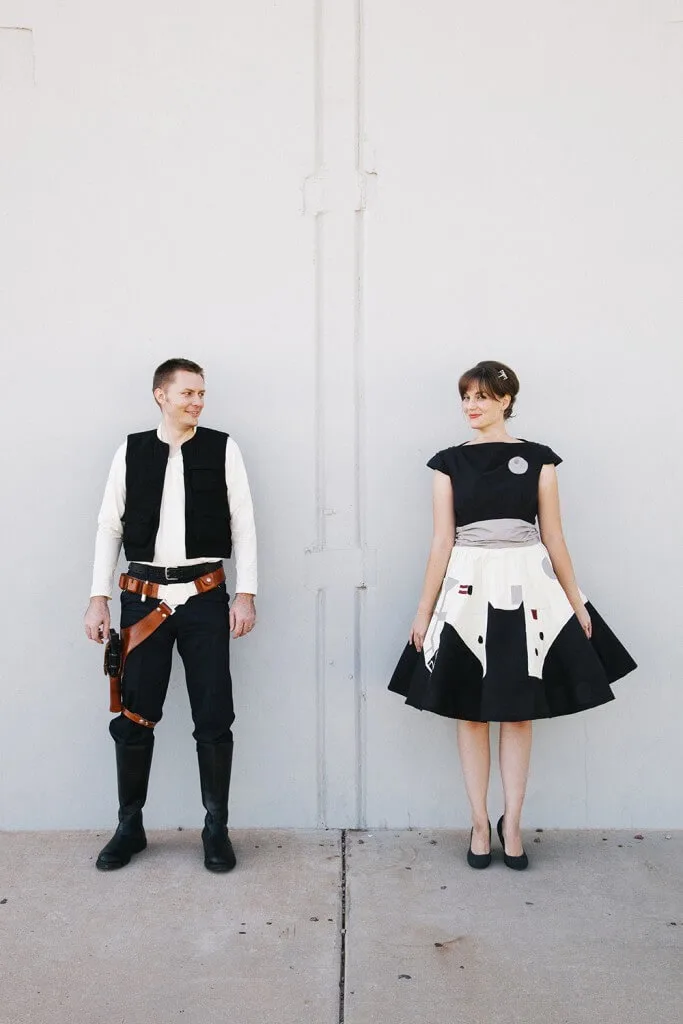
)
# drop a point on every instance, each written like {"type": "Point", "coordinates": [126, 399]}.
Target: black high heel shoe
{"type": "Point", "coordinates": [516, 863]}
{"type": "Point", "coordinates": [479, 860]}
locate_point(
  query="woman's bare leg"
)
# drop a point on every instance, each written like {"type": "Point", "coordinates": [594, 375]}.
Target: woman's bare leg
{"type": "Point", "coordinates": [514, 753]}
{"type": "Point", "coordinates": [475, 757]}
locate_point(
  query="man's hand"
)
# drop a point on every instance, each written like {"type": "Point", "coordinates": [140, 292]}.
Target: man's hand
{"type": "Point", "coordinates": [97, 620]}
{"type": "Point", "coordinates": [242, 615]}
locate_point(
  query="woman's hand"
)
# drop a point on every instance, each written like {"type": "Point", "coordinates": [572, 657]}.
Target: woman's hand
{"type": "Point", "coordinates": [585, 621]}
{"type": "Point", "coordinates": [551, 534]}
{"type": "Point", "coordinates": [419, 628]}
{"type": "Point", "coordinates": [439, 555]}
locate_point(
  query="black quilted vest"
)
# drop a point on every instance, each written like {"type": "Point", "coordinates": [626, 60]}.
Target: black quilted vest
{"type": "Point", "coordinates": [207, 512]}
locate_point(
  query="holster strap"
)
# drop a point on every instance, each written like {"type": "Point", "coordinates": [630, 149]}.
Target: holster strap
{"type": "Point", "coordinates": [133, 636]}
{"type": "Point", "coordinates": [136, 586]}
{"type": "Point", "coordinates": [138, 719]}
{"type": "Point", "coordinates": [209, 581]}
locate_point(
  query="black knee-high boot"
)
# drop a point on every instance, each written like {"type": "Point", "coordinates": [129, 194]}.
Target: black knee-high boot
{"type": "Point", "coordinates": [215, 763]}
{"type": "Point", "coordinates": [133, 763]}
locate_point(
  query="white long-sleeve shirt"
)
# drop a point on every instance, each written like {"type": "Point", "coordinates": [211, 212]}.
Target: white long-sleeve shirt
{"type": "Point", "coordinates": [169, 548]}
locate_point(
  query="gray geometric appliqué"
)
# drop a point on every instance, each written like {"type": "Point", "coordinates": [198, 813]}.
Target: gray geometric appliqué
{"type": "Point", "coordinates": [516, 595]}
{"type": "Point", "coordinates": [449, 583]}
{"type": "Point", "coordinates": [518, 465]}
{"type": "Point", "coordinates": [546, 565]}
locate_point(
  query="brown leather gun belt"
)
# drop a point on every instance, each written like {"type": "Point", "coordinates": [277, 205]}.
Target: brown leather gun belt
{"type": "Point", "coordinates": [133, 636]}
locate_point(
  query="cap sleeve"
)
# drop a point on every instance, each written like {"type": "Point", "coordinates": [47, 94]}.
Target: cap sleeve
{"type": "Point", "coordinates": [438, 461]}
{"type": "Point", "coordinates": [549, 457]}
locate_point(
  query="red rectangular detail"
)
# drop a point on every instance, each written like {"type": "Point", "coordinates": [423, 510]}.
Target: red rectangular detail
{"type": "Point", "coordinates": [534, 613]}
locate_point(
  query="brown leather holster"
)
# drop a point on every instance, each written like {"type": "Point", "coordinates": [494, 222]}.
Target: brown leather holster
{"type": "Point", "coordinates": [133, 636]}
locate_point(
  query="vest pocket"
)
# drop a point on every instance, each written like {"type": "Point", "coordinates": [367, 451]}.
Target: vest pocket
{"type": "Point", "coordinates": [138, 532]}
{"type": "Point", "coordinates": [210, 535]}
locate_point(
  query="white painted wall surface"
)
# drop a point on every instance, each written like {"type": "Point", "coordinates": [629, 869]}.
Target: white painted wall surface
{"type": "Point", "coordinates": [530, 209]}
{"type": "Point", "coordinates": [336, 208]}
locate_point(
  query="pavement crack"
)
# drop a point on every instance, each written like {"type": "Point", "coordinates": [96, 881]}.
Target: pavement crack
{"type": "Point", "coordinates": [342, 949]}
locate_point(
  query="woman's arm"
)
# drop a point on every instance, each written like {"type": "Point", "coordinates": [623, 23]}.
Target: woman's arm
{"type": "Point", "coordinates": [550, 522]}
{"type": "Point", "coordinates": [442, 546]}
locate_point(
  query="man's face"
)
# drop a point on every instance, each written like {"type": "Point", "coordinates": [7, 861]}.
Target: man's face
{"type": "Point", "coordinates": [182, 400]}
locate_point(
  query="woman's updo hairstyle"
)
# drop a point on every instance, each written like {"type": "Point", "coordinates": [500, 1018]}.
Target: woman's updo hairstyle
{"type": "Point", "coordinates": [494, 379]}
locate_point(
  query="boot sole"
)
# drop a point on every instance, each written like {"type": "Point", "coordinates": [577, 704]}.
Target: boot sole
{"type": "Point", "coordinates": [109, 865]}
{"type": "Point", "coordinates": [219, 869]}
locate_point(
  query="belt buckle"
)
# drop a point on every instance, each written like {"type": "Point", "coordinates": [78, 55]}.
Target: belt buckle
{"type": "Point", "coordinates": [170, 579]}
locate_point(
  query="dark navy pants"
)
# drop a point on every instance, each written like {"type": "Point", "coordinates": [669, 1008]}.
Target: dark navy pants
{"type": "Point", "coordinates": [200, 627]}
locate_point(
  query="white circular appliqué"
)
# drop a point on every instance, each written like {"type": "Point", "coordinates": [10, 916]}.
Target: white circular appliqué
{"type": "Point", "coordinates": [547, 567]}
{"type": "Point", "coordinates": [518, 465]}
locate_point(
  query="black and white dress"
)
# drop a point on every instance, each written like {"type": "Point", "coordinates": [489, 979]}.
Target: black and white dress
{"type": "Point", "coordinates": [504, 644]}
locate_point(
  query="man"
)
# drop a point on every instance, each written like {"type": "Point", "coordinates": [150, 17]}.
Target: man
{"type": "Point", "coordinates": [178, 499]}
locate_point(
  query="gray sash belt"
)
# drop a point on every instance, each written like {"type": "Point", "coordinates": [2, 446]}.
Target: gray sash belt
{"type": "Point", "coordinates": [497, 533]}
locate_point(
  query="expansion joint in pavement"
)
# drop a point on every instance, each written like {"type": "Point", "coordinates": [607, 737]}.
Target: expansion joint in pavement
{"type": "Point", "coordinates": [342, 945]}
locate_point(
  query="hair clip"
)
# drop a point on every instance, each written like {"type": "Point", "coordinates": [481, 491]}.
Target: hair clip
{"type": "Point", "coordinates": [502, 374]}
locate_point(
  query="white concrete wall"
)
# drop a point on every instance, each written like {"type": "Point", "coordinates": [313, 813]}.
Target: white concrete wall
{"type": "Point", "coordinates": [151, 191]}
{"type": "Point", "coordinates": [335, 208]}
{"type": "Point", "coordinates": [530, 210]}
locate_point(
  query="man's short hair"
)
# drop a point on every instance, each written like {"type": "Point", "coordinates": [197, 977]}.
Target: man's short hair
{"type": "Point", "coordinates": [164, 374]}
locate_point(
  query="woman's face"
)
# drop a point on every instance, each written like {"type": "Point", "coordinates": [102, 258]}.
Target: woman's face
{"type": "Point", "coordinates": [482, 410]}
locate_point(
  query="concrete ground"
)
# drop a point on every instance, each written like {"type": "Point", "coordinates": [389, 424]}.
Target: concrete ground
{"type": "Point", "coordinates": [592, 932]}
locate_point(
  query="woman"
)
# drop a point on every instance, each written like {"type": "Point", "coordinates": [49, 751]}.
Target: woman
{"type": "Point", "coordinates": [502, 631]}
